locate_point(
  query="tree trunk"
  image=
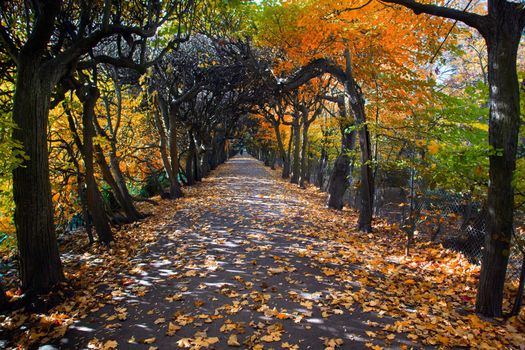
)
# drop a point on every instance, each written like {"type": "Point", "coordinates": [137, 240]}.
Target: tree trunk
{"type": "Point", "coordinates": [190, 159]}
{"type": "Point", "coordinates": [197, 162]}
{"type": "Point", "coordinates": [84, 206]}
{"type": "Point", "coordinates": [304, 158]}
{"type": "Point", "coordinates": [504, 123]}
{"type": "Point", "coordinates": [266, 154]}
{"type": "Point", "coordinates": [367, 181]}
{"type": "Point", "coordinates": [175, 190]}
{"type": "Point", "coordinates": [357, 103]}
{"type": "Point", "coordinates": [94, 198]}
{"type": "Point", "coordinates": [273, 160]}
{"type": "Point", "coordinates": [321, 168]}
{"type": "Point", "coordinates": [127, 203]}
{"type": "Point", "coordinates": [296, 153]}
{"type": "Point", "coordinates": [286, 169]}
{"type": "Point", "coordinates": [107, 175]}
{"type": "Point", "coordinates": [163, 143]}
{"type": "Point", "coordinates": [39, 259]}
{"type": "Point", "coordinates": [282, 153]}
{"type": "Point", "coordinates": [339, 178]}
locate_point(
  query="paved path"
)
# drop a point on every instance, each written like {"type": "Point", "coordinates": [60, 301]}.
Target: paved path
{"type": "Point", "coordinates": [235, 266]}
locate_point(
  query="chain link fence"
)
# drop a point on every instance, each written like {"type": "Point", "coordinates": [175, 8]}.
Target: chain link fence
{"type": "Point", "coordinates": [455, 221]}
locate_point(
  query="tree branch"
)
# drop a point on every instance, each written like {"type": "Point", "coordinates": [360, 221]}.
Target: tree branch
{"type": "Point", "coordinates": [312, 70]}
{"type": "Point", "coordinates": [83, 45]}
{"type": "Point", "coordinates": [481, 23]}
{"type": "Point", "coordinates": [8, 44]}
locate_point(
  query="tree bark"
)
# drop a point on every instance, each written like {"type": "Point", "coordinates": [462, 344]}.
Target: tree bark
{"type": "Point", "coordinates": [93, 195]}
{"type": "Point", "coordinates": [339, 178]}
{"type": "Point", "coordinates": [504, 123]}
{"type": "Point", "coordinates": [357, 103]}
{"type": "Point", "coordinates": [288, 155]}
{"type": "Point", "coordinates": [282, 152]}
{"type": "Point", "coordinates": [304, 147]}
{"type": "Point", "coordinates": [84, 207]}
{"type": "Point", "coordinates": [163, 144]}
{"type": "Point", "coordinates": [197, 162]}
{"type": "Point", "coordinates": [321, 168]}
{"type": "Point", "coordinates": [190, 159]}
{"type": "Point", "coordinates": [296, 152]}
{"type": "Point", "coordinates": [39, 261]}
{"type": "Point", "coordinates": [126, 203]}
{"type": "Point", "coordinates": [175, 190]}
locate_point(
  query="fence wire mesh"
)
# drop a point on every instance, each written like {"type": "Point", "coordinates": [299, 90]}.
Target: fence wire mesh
{"type": "Point", "coordinates": [455, 221]}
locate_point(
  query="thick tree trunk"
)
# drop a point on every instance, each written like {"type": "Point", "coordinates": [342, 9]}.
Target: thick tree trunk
{"type": "Point", "coordinates": [39, 260]}
{"type": "Point", "coordinates": [339, 178]}
{"type": "Point", "coordinates": [296, 153]}
{"type": "Point", "coordinates": [94, 198]}
{"type": "Point", "coordinates": [504, 123]}
{"type": "Point", "coordinates": [212, 153]}
{"type": "Point", "coordinates": [357, 103]}
{"type": "Point", "coordinates": [282, 152]}
{"type": "Point", "coordinates": [205, 160]}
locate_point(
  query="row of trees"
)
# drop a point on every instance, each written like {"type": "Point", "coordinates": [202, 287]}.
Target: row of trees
{"type": "Point", "coordinates": [153, 91]}
{"type": "Point", "coordinates": [315, 41]}
{"type": "Point", "coordinates": [110, 102]}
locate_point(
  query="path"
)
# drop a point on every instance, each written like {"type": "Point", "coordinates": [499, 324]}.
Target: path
{"type": "Point", "coordinates": [240, 259]}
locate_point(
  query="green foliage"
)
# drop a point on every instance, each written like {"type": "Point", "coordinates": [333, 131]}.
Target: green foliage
{"type": "Point", "coordinates": [11, 153]}
{"type": "Point", "coordinates": [456, 150]}
{"type": "Point", "coordinates": [11, 156]}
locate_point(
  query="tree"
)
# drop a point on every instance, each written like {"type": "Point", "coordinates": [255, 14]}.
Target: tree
{"type": "Point", "coordinates": [306, 31]}
{"type": "Point", "coordinates": [52, 39]}
{"type": "Point", "coordinates": [501, 28]}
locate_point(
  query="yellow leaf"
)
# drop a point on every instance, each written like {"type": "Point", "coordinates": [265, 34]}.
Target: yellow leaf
{"type": "Point", "coordinates": [172, 329]}
{"type": "Point", "coordinates": [184, 343]}
{"type": "Point", "coordinates": [110, 344]}
{"type": "Point", "coordinates": [232, 340]}
{"type": "Point", "coordinates": [150, 340]}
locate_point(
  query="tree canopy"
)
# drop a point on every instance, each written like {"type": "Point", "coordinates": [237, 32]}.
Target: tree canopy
{"type": "Point", "coordinates": [406, 112]}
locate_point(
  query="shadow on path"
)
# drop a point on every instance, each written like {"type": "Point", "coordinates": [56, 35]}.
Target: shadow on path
{"type": "Point", "coordinates": [231, 266]}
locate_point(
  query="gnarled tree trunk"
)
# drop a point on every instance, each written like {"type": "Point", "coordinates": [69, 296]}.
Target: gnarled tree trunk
{"type": "Point", "coordinates": [39, 260]}
{"type": "Point", "coordinates": [339, 178]}
{"type": "Point", "coordinates": [94, 198]}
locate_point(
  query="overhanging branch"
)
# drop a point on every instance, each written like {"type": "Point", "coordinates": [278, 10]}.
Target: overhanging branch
{"type": "Point", "coordinates": [481, 23]}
